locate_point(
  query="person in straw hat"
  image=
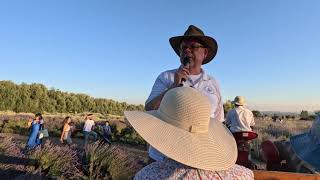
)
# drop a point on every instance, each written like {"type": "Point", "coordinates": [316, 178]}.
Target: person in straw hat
{"type": "Point", "coordinates": [194, 146]}
{"type": "Point", "coordinates": [194, 49]}
{"type": "Point", "coordinates": [299, 154]}
{"type": "Point", "coordinates": [240, 119]}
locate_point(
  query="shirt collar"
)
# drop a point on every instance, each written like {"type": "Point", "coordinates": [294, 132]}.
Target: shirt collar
{"type": "Point", "coordinates": [205, 76]}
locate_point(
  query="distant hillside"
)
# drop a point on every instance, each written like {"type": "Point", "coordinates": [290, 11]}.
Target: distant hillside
{"type": "Point", "coordinates": [38, 98]}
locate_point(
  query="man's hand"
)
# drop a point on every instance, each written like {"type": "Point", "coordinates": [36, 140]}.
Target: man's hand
{"type": "Point", "coordinates": [181, 74]}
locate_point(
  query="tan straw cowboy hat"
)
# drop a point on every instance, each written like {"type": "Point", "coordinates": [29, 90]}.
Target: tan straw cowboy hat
{"type": "Point", "coordinates": [181, 129]}
{"type": "Point", "coordinates": [239, 100]}
{"type": "Point", "coordinates": [194, 32]}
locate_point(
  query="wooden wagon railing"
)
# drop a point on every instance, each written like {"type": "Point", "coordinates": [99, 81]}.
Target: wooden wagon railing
{"type": "Point", "coordinates": [277, 175]}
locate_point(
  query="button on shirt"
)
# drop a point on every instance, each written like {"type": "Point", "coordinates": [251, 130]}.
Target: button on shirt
{"type": "Point", "coordinates": [240, 119]}
{"type": "Point", "coordinates": [206, 84]}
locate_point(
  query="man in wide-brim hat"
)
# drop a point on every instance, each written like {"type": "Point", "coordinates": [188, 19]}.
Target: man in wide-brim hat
{"type": "Point", "coordinates": [240, 118]}
{"type": "Point", "coordinates": [194, 49]}
{"type": "Point", "coordinates": [195, 147]}
{"type": "Point", "coordinates": [193, 33]}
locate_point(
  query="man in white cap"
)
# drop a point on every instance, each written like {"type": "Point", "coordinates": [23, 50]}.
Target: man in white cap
{"type": "Point", "coordinates": [194, 49]}
{"type": "Point", "coordinates": [194, 146]}
{"type": "Point", "coordinates": [240, 119]}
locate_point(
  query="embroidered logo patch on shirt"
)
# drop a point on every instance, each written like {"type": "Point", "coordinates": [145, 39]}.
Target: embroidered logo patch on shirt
{"type": "Point", "coordinates": [209, 90]}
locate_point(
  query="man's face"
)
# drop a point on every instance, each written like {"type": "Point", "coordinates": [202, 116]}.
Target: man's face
{"type": "Point", "coordinates": [195, 51]}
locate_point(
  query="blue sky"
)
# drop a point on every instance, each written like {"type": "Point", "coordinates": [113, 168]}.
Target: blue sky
{"type": "Point", "coordinates": [268, 50]}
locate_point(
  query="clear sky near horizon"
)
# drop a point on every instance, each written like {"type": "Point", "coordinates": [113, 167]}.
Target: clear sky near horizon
{"type": "Point", "coordinates": [268, 50]}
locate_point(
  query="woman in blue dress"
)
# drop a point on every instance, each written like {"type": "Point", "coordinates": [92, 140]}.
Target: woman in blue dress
{"type": "Point", "coordinates": [36, 126]}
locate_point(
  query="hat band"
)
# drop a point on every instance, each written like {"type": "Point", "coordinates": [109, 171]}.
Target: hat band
{"type": "Point", "coordinates": [192, 128]}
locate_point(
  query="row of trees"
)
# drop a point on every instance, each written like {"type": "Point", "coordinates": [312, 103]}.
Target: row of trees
{"type": "Point", "coordinates": [38, 98]}
{"type": "Point", "coordinates": [304, 115]}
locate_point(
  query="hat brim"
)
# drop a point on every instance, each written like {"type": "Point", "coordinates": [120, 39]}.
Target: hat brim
{"type": "Point", "coordinates": [208, 42]}
{"type": "Point", "coordinates": [213, 150]}
{"type": "Point", "coordinates": [239, 104]}
{"type": "Point", "coordinates": [306, 149]}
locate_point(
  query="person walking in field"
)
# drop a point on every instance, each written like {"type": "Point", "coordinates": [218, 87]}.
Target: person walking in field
{"type": "Point", "coordinates": [35, 126]}
{"type": "Point", "coordinates": [194, 50]}
{"type": "Point", "coordinates": [66, 131]}
{"type": "Point", "coordinates": [88, 129]}
{"type": "Point", "coordinates": [240, 119]}
{"type": "Point", "coordinates": [194, 146]}
{"type": "Point", "coordinates": [107, 133]}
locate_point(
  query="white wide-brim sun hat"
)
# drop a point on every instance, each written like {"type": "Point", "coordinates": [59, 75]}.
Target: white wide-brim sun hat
{"type": "Point", "coordinates": [181, 129]}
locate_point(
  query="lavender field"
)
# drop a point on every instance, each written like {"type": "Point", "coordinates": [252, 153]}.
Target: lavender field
{"type": "Point", "coordinates": [121, 160]}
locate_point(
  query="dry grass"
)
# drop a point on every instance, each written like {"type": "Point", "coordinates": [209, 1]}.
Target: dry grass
{"type": "Point", "coordinates": [274, 131]}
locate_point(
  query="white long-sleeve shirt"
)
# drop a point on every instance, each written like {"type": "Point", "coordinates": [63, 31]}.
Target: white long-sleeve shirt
{"type": "Point", "coordinates": [240, 119]}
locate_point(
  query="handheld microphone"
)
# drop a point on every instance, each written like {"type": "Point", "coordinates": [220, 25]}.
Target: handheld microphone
{"type": "Point", "coordinates": [185, 63]}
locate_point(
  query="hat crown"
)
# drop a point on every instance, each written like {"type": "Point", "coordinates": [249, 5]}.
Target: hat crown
{"type": "Point", "coordinates": [239, 100]}
{"type": "Point", "coordinates": [186, 109]}
{"type": "Point", "coordinates": [193, 31]}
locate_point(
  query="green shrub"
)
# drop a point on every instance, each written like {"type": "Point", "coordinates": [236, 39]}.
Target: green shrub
{"type": "Point", "coordinates": [16, 127]}
{"type": "Point", "coordinates": [130, 136]}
